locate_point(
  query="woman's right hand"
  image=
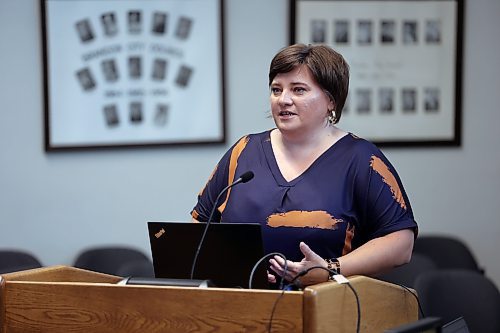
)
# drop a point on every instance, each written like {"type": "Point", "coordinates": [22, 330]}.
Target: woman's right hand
{"type": "Point", "coordinates": [271, 278]}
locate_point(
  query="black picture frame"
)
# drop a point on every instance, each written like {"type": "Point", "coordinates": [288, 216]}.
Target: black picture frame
{"type": "Point", "coordinates": [135, 73]}
{"type": "Point", "coordinates": [406, 65]}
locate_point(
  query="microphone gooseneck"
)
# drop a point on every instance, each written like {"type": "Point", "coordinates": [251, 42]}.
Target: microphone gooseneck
{"type": "Point", "coordinates": [245, 177]}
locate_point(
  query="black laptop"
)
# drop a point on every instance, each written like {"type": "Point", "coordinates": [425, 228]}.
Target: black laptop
{"type": "Point", "coordinates": [432, 325]}
{"type": "Point", "coordinates": [227, 256]}
{"type": "Point", "coordinates": [424, 325]}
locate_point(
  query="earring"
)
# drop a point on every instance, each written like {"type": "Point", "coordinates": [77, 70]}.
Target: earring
{"type": "Point", "coordinates": [331, 117]}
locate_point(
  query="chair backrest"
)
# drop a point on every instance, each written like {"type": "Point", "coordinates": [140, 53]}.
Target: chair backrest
{"type": "Point", "coordinates": [17, 260]}
{"type": "Point", "coordinates": [137, 268]}
{"type": "Point", "coordinates": [405, 275]}
{"type": "Point", "coordinates": [109, 259]}
{"type": "Point", "coordinates": [454, 293]}
{"type": "Point", "coordinates": [447, 252]}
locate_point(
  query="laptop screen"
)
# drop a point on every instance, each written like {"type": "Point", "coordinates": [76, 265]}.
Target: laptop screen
{"type": "Point", "coordinates": [227, 256]}
{"type": "Point", "coordinates": [456, 326]}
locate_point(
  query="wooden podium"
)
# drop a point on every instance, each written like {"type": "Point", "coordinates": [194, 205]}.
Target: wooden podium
{"type": "Point", "coordinates": [66, 299]}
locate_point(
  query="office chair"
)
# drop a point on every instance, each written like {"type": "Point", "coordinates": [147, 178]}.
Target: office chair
{"type": "Point", "coordinates": [405, 275]}
{"type": "Point", "coordinates": [137, 268]}
{"type": "Point", "coordinates": [109, 259]}
{"type": "Point", "coordinates": [453, 293]}
{"type": "Point", "coordinates": [17, 260]}
{"type": "Point", "coordinates": [447, 252]}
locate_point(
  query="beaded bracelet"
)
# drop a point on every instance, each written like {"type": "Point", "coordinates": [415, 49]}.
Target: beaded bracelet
{"type": "Point", "coordinates": [334, 266]}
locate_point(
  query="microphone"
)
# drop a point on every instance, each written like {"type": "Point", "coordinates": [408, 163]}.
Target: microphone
{"type": "Point", "coordinates": [245, 177]}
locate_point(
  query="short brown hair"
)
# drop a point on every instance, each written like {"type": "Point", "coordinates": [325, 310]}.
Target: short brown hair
{"type": "Point", "coordinates": [329, 69]}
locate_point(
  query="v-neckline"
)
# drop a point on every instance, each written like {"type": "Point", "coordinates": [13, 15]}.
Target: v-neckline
{"type": "Point", "coordinates": [273, 163]}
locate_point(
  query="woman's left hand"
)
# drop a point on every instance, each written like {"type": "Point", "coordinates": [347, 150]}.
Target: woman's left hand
{"type": "Point", "coordinates": [311, 259]}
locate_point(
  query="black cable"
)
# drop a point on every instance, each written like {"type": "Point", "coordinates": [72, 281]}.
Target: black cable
{"type": "Point", "coordinates": [358, 306]}
{"type": "Point", "coordinates": [285, 269]}
{"type": "Point", "coordinates": [270, 324]}
{"type": "Point", "coordinates": [250, 280]}
{"type": "Point", "coordinates": [358, 323]}
{"type": "Point", "coordinates": [416, 297]}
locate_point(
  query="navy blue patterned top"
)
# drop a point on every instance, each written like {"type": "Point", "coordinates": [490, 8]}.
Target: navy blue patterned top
{"type": "Point", "coordinates": [348, 196]}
